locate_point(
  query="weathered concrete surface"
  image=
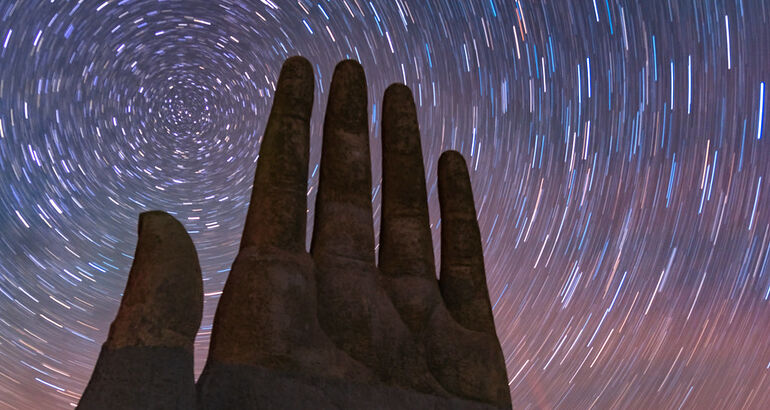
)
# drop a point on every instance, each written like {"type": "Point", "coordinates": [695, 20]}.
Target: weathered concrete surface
{"type": "Point", "coordinates": [464, 357]}
{"type": "Point", "coordinates": [267, 315]}
{"type": "Point", "coordinates": [343, 246]}
{"type": "Point", "coordinates": [330, 328]}
{"type": "Point", "coordinates": [463, 281]}
{"type": "Point", "coordinates": [147, 360]}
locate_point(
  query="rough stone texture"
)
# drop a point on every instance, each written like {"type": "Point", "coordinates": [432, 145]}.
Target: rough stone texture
{"type": "Point", "coordinates": [330, 328]}
{"type": "Point", "coordinates": [466, 360]}
{"type": "Point", "coordinates": [163, 303]}
{"type": "Point", "coordinates": [267, 314]}
{"type": "Point", "coordinates": [147, 360]}
{"type": "Point", "coordinates": [372, 331]}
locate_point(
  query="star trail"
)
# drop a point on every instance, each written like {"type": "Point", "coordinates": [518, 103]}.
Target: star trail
{"type": "Point", "coordinates": [619, 153]}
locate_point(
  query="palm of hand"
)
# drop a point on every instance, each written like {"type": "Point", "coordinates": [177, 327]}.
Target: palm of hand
{"type": "Point", "coordinates": [333, 313]}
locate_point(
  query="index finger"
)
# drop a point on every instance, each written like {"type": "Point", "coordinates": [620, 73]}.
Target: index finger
{"type": "Point", "coordinates": [277, 212]}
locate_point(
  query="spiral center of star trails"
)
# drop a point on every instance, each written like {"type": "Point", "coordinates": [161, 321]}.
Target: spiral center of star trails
{"type": "Point", "coordinates": [618, 154]}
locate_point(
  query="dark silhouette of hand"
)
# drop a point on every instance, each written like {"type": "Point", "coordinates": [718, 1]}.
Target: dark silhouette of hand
{"type": "Point", "coordinates": [329, 328]}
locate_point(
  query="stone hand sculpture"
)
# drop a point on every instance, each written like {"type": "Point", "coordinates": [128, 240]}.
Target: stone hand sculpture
{"type": "Point", "coordinates": [329, 328]}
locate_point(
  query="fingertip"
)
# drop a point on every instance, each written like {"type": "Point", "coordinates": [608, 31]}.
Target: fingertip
{"type": "Point", "coordinates": [159, 232]}
{"type": "Point", "coordinates": [295, 88]}
{"type": "Point", "coordinates": [298, 62]}
{"type": "Point", "coordinates": [297, 68]}
{"type": "Point", "coordinates": [351, 69]}
{"type": "Point", "coordinates": [454, 184]}
{"type": "Point", "coordinates": [398, 92]}
{"type": "Point", "coordinates": [349, 78]}
{"type": "Point", "coordinates": [399, 114]}
{"type": "Point", "coordinates": [159, 223]}
{"type": "Point", "coordinates": [347, 107]}
{"type": "Point", "coordinates": [451, 163]}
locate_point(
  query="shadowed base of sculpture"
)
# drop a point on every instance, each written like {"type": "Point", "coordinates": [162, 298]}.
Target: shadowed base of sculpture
{"type": "Point", "coordinates": [151, 378]}
{"type": "Point", "coordinates": [224, 386]}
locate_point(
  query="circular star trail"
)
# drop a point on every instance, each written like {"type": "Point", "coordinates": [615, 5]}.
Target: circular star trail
{"type": "Point", "coordinates": [618, 151]}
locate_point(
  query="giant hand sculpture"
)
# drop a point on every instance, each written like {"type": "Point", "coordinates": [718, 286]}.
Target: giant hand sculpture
{"type": "Point", "coordinates": [329, 328]}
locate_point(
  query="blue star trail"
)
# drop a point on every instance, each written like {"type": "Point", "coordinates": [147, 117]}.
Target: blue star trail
{"type": "Point", "coordinates": [619, 154]}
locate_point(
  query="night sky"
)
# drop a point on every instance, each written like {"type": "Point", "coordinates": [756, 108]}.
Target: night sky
{"type": "Point", "coordinates": [619, 153]}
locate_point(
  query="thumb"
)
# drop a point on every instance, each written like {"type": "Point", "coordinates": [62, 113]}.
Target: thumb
{"type": "Point", "coordinates": [147, 360]}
